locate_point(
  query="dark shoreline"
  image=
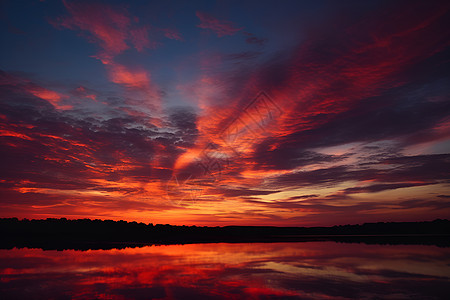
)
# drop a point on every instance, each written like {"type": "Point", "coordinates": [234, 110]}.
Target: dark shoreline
{"type": "Point", "coordinates": [85, 234]}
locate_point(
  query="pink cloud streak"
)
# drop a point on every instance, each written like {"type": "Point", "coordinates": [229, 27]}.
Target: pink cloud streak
{"type": "Point", "coordinates": [220, 27]}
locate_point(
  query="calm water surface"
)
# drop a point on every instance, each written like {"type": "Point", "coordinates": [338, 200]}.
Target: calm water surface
{"type": "Point", "coordinates": [312, 270]}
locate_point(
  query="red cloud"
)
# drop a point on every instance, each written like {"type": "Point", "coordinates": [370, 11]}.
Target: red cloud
{"type": "Point", "coordinates": [114, 30]}
{"type": "Point", "coordinates": [23, 84]}
{"type": "Point", "coordinates": [108, 27]}
{"type": "Point", "coordinates": [5, 132]}
{"type": "Point", "coordinates": [51, 96]}
{"type": "Point", "coordinates": [314, 86]}
{"type": "Point", "coordinates": [221, 28]}
{"type": "Point", "coordinates": [82, 92]}
{"type": "Point", "coordinates": [131, 79]}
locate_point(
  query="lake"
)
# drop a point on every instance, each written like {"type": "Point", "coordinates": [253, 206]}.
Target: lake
{"type": "Point", "coordinates": [301, 270]}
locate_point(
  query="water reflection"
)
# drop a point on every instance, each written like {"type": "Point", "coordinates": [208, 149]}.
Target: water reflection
{"type": "Point", "coordinates": [229, 271]}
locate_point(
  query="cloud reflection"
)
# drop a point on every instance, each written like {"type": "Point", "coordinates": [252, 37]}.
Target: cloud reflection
{"type": "Point", "coordinates": [228, 271]}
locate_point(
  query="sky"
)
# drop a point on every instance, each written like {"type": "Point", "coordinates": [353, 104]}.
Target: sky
{"type": "Point", "coordinates": [284, 113]}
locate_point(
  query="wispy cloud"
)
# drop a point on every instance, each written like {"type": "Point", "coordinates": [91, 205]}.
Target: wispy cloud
{"type": "Point", "coordinates": [219, 27]}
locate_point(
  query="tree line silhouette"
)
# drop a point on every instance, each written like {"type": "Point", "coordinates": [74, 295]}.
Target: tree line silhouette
{"type": "Point", "coordinates": [52, 233]}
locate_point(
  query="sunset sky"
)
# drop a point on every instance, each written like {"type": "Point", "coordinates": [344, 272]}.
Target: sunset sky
{"type": "Point", "coordinates": [286, 113]}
